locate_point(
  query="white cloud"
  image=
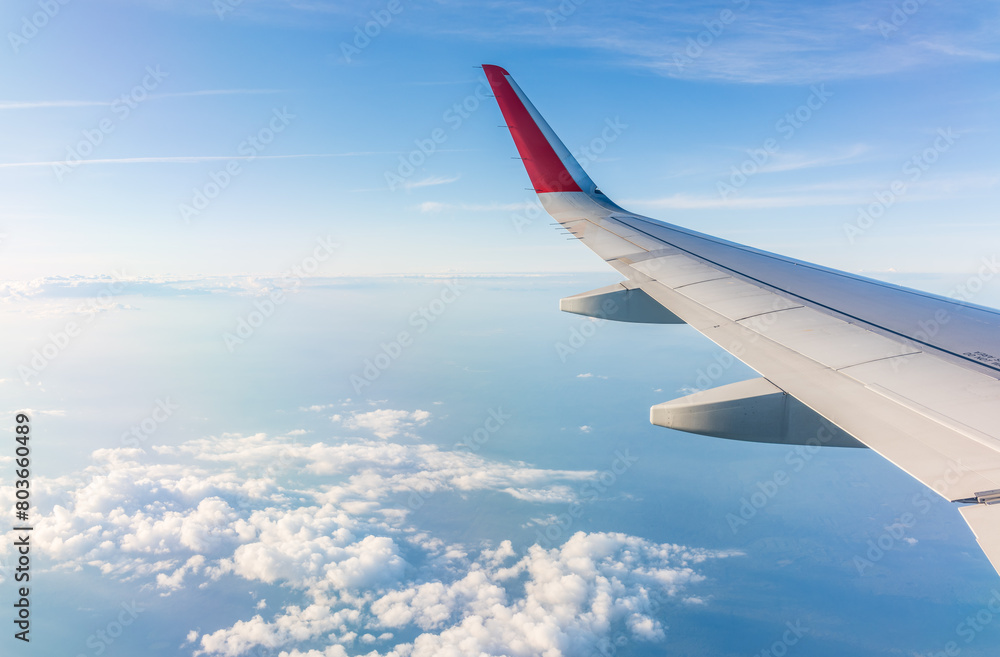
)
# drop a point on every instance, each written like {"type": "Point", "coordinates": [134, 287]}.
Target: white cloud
{"type": "Point", "coordinates": [432, 181]}
{"type": "Point", "coordinates": [762, 42]}
{"type": "Point", "coordinates": [176, 579]}
{"type": "Point", "coordinates": [792, 161]}
{"type": "Point", "coordinates": [63, 104]}
{"type": "Point", "coordinates": [436, 206]}
{"type": "Point", "coordinates": [34, 411]}
{"type": "Point", "coordinates": [387, 423]}
{"type": "Point", "coordinates": [560, 601]}
{"type": "Point", "coordinates": [842, 192]}
{"type": "Point", "coordinates": [184, 517]}
{"type": "Point", "coordinates": [183, 159]}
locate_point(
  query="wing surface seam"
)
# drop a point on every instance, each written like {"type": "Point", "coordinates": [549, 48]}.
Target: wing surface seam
{"type": "Point", "coordinates": [995, 370]}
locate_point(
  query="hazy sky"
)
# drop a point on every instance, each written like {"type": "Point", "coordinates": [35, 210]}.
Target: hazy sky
{"type": "Point", "coordinates": [484, 492]}
{"type": "Point", "coordinates": [312, 401]}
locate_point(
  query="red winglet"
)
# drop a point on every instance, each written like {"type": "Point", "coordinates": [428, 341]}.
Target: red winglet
{"type": "Point", "coordinates": [545, 168]}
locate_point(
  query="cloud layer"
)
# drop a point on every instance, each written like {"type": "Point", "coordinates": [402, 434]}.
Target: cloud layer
{"type": "Point", "coordinates": [334, 524]}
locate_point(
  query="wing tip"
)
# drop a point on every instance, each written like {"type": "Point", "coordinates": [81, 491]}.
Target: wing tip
{"type": "Point", "coordinates": [493, 68]}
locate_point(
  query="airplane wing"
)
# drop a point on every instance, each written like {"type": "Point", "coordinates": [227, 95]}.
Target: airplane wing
{"type": "Point", "coordinates": [844, 360]}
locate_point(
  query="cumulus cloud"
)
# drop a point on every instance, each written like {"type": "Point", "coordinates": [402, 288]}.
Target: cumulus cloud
{"type": "Point", "coordinates": [431, 181]}
{"type": "Point", "coordinates": [317, 407]}
{"type": "Point", "coordinates": [222, 495]}
{"type": "Point", "coordinates": [386, 423]}
{"type": "Point", "coordinates": [346, 546]}
{"type": "Point", "coordinates": [558, 601]}
{"type": "Point", "coordinates": [175, 580]}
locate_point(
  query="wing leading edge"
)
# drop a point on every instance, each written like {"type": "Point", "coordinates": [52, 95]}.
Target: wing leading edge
{"type": "Point", "coordinates": [845, 360]}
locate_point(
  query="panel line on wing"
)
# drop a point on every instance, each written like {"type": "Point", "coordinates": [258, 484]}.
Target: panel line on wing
{"type": "Point", "coordinates": [940, 418]}
{"type": "Point", "coordinates": [833, 310]}
{"type": "Point", "coordinates": [770, 256]}
{"type": "Point", "coordinates": [707, 280]}
{"type": "Point", "coordinates": [876, 360]}
{"type": "Point", "coordinates": [595, 226]}
{"type": "Point", "coordinates": [767, 312]}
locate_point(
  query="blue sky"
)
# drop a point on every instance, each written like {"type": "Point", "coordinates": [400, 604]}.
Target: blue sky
{"type": "Point", "coordinates": [174, 172]}
{"type": "Point", "coordinates": [688, 125]}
